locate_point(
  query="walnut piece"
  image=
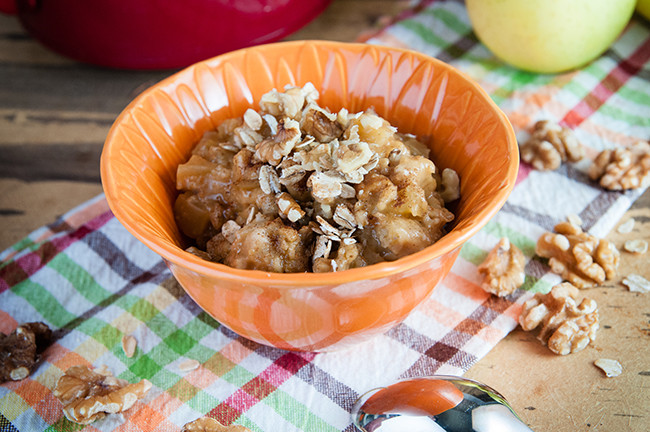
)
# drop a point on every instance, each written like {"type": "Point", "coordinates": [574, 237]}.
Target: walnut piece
{"type": "Point", "coordinates": [20, 351]}
{"type": "Point", "coordinates": [623, 168]}
{"type": "Point", "coordinates": [503, 269]}
{"type": "Point", "coordinates": [549, 145]}
{"type": "Point", "coordinates": [274, 148]}
{"type": "Point", "coordinates": [290, 102]}
{"type": "Point", "coordinates": [320, 124]}
{"type": "Point", "coordinates": [89, 395]}
{"type": "Point", "coordinates": [566, 326]}
{"type": "Point", "coordinates": [207, 424]}
{"type": "Point", "coordinates": [578, 257]}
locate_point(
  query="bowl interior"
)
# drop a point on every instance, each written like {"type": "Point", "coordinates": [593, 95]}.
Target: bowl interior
{"type": "Point", "coordinates": [418, 94]}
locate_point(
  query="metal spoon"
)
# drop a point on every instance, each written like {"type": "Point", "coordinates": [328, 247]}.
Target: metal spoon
{"type": "Point", "coordinates": [437, 403]}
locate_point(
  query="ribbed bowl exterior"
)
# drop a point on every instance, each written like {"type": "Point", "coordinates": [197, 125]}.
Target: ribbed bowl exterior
{"type": "Point", "coordinates": [311, 312]}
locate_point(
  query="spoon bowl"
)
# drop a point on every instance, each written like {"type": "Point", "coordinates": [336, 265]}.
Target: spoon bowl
{"type": "Point", "coordinates": [438, 403]}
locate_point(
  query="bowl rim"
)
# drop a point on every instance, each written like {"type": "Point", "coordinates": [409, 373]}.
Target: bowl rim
{"type": "Point", "coordinates": [174, 254]}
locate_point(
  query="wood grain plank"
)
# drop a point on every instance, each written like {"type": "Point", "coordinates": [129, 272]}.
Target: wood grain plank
{"type": "Point", "coordinates": [53, 127]}
{"type": "Point", "coordinates": [345, 20]}
{"type": "Point", "coordinates": [38, 162]}
{"type": "Point", "coordinates": [25, 206]}
{"type": "Point", "coordinates": [73, 87]}
{"type": "Point", "coordinates": [21, 48]}
{"type": "Point", "coordinates": [538, 382]}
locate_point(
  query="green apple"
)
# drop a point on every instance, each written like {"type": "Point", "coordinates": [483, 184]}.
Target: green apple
{"type": "Point", "coordinates": [643, 7]}
{"type": "Point", "coordinates": [548, 35]}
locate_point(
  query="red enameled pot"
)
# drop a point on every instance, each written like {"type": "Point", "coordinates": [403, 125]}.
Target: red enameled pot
{"type": "Point", "coordinates": [158, 34]}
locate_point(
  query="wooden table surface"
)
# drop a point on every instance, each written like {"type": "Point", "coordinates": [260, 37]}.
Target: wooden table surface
{"type": "Point", "coordinates": [55, 114]}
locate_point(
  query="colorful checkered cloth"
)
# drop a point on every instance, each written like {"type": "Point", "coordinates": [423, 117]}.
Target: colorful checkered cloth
{"type": "Point", "coordinates": [92, 282]}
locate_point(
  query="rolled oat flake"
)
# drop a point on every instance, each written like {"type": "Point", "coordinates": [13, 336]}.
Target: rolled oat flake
{"type": "Point", "coordinates": [611, 367]}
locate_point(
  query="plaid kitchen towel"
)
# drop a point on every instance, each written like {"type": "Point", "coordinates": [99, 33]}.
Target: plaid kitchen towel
{"type": "Point", "coordinates": [92, 282]}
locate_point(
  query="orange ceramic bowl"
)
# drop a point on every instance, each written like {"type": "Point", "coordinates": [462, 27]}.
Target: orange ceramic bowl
{"type": "Point", "coordinates": [309, 312]}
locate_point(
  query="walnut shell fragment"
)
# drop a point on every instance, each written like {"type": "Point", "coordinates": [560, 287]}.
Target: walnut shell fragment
{"type": "Point", "coordinates": [566, 326]}
{"type": "Point", "coordinates": [549, 145]}
{"type": "Point", "coordinates": [503, 269]}
{"type": "Point", "coordinates": [622, 168]}
{"type": "Point", "coordinates": [580, 258]}
{"type": "Point", "coordinates": [20, 351]}
{"type": "Point", "coordinates": [208, 424]}
{"type": "Point", "coordinates": [88, 395]}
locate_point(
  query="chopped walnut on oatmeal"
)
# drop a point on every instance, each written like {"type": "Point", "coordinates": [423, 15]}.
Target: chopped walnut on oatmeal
{"type": "Point", "coordinates": [294, 187]}
{"type": "Point", "coordinates": [549, 145]}
{"type": "Point", "coordinates": [623, 168]}
{"type": "Point", "coordinates": [20, 351]}
{"type": "Point", "coordinates": [566, 325]}
{"type": "Point", "coordinates": [580, 258]}
{"type": "Point", "coordinates": [208, 424]}
{"type": "Point", "coordinates": [503, 269]}
{"type": "Point", "coordinates": [88, 395]}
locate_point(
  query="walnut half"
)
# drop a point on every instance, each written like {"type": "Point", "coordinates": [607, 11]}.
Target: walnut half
{"type": "Point", "coordinates": [89, 395]}
{"type": "Point", "coordinates": [503, 269]}
{"type": "Point", "coordinates": [580, 258]}
{"type": "Point", "coordinates": [549, 145]}
{"type": "Point", "coordinates": [566, 326]}
{"type": "Point", "coordinates": [20, 350]}
{"type": "Point", "coordinates": [623, 168]}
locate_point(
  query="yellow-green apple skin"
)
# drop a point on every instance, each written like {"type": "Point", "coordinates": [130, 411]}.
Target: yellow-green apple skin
{"type": "Point", "coordinates": [643, 7]}
{"type": "Point", "coordinates": [549, 36]}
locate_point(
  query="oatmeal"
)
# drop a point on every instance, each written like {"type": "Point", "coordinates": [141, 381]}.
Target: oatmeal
{"type": "Point", "coordinates": [294, 187]}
